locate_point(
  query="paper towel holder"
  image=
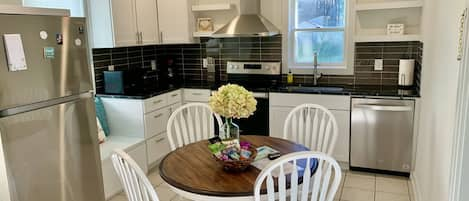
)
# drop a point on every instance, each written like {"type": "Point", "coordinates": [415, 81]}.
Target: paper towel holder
{"type": "Point", "coordinates": [406, 73]}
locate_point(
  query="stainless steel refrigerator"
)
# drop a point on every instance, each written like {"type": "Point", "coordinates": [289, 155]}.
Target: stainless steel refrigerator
{"type": "Point", "coordinates": [49, 149]}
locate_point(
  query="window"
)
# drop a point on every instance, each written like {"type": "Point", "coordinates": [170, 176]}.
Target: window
{"type": "Point", "coordinates": [318, 26]}
{"type": "Point", "coordinates": [76, 7]}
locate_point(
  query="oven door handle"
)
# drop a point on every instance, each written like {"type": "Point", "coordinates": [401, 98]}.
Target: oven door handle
{"type": "Point", "coordinates": [261, 95]}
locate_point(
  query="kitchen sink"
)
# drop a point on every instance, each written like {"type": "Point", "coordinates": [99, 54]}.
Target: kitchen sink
{"type": "Point", "coordinates": [314, 89]}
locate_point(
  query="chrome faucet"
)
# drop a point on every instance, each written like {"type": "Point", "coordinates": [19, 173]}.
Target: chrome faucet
{"type": "Point", "coordinates": [316, 74]}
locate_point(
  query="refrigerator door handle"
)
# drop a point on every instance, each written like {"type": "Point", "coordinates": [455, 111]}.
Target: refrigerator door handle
{"type": "Point", "coordinates": [390, 108]}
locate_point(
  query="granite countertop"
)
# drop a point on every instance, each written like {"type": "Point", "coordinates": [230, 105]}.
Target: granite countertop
{"type": "Point", "coordinates": [141, 94]}
{"type": "Point", "coordinates": [366, 90]}
{"type": "Point", "coordinates": [363, 90]}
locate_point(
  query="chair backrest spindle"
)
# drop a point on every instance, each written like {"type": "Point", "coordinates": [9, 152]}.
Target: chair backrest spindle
{"type": "Point", "coordinates": [313, 126]}
{"type": "Point", "coordinates": [191, 123]}
{"type": "Point", "coordinates": [136, 184]}
{"type": "Point", "coordinates": [321, 185]}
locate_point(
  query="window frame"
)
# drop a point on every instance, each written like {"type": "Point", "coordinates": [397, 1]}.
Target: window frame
{"type": "Point", "coordinates": [345, 68]}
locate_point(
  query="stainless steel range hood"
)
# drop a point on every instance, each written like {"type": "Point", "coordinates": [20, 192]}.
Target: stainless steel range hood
{"type": "Point", "coordinates": [248, 24]}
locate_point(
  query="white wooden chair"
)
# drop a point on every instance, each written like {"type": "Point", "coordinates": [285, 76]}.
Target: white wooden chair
{"type": "Point", "coordinates": [312, 125]}
{"type": "Point", "coordinates": [191, 123]}
{"type": "Point", "coordinates": [135, 182]}
{"type": "Point", "coordinates": [321, 186]}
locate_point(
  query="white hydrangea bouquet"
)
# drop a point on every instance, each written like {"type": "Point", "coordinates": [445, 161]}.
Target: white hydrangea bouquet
{"type": "Point", "coordinates": [232, 102]}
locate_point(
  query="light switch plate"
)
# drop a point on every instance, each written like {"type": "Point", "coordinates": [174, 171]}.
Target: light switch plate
{"type": "Point", "coordinates": [378, 64]}
{"type": "Point", "coordinates": [110, 68]}
{"type": "Point", "coordinates": [205, 62]}
{"type": "Point", "coordinates": [153, 64]}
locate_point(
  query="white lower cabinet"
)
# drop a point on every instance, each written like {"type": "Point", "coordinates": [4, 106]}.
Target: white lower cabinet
{"type": "Point", "coordinates": [278, 115]}
{"type": "Point", "coordinates": [156, 121]}
{"type": "Point", "coordinates": [138, 154]}
{"type": "Point", "coordinates": [282, 104]}
{"type": "Point", "coordinates": [157, 148]}
{"type": "Point", "coordinates": [196, 95]}
{"type": "Point", "coordinates": [342, 146]}
{"type": "Point", "coordinates": [145, 120]}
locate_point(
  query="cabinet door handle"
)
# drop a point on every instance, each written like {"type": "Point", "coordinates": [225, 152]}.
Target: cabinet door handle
{"type": "Point", "coordinates": [197, 94]}
{"type": "Point", "coordinates": [161, 37]}
{"type": "Point", "coordinates": [141, 37]}
{"type": "Point", "coordinates": [158, 116]}
{"type": "Point", "coordinates": [174, 95]}
{"type": "Point", "coordinates": [159, 140]}
{"type": "Point", "coordinates": [157, 102]}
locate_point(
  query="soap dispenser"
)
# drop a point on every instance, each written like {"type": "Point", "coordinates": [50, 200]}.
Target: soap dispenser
{"type": "Point", "coordinates": [290, 77]}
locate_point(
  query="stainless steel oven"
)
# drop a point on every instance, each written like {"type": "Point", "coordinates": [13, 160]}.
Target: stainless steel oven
{"type": "Point", "coordinates": [257, 77]}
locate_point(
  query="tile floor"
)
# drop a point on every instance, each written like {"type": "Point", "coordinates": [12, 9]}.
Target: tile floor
{"type": "Point", "coordinates": [355, 186]}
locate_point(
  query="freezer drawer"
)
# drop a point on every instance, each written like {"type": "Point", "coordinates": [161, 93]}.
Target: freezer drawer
{"type": "Point", "coordinates": [51, 154]}
{"type": "Point", "coordinates": [381, 134]}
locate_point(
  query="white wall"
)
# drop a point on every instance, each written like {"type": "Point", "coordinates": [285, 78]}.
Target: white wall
{"type": "Point", "coordinates": [439, 86]}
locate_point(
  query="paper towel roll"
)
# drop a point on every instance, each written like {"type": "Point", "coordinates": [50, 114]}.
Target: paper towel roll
{"type": "Point", "coordinates": [406, 72]}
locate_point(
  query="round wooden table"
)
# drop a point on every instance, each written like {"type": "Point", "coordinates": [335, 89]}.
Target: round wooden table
{"type": "Point", "coordinates": [193, 172]}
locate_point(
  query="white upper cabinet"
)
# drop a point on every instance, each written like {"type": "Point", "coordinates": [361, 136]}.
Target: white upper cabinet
{"type": "Point", "coordinates": [175, 21]}
{"type": "Point", "coordinates": [117, 23]}
{"type": "Point", "coordinates": [125, 23]}
{"type": "Point", "coordinates": [147, 21]}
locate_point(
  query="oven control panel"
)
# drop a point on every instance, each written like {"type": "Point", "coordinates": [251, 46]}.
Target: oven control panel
{"type": "Point", "coordinates": [258, 68]}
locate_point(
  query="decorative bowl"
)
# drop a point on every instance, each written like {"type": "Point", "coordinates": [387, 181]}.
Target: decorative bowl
{"type": "Point", "coordinates": [238, 165]}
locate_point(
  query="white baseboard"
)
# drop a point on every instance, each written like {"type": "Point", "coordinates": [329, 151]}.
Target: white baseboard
{"type": "Point", "coordinates": [414, 189]}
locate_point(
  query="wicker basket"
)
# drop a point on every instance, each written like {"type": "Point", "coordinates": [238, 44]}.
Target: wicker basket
{"type": "Point", "coordinates": [240, 165]}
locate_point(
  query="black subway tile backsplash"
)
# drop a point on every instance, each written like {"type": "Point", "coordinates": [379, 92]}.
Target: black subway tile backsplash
{"type": "Point", "coordinates": [189, 59]}
{"type": "Point", "coordinates": [365, 55]}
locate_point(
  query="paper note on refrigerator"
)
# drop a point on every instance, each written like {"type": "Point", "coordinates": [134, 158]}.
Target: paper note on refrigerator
{"type": "Point", "coordinates": [15, 52]}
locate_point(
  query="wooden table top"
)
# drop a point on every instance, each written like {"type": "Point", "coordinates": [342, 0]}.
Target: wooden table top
{"type": "Point", "coordinates": [194, 169]}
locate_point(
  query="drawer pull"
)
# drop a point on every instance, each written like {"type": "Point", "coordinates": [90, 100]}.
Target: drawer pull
{"type": "Point", "coordinates": [158, 116]}
{"type": "Point", "coordinates": [159, 140]}
{"type": "Point", "coordinates": [197, 94]}
{"type": "Point", "coordinates": [157, 102]}
{"type": "Point", "coordinates": [174, 95]}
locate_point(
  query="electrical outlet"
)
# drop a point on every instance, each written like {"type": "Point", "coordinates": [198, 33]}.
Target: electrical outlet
{"type": "Point", "coordinates": [153, 64]}
{"type": "Point", "coordinates": [110, 68]}
{"type": "Point", "coordinates": [205, 63]}
{"type": "Point", "coordinates": [378, 64]}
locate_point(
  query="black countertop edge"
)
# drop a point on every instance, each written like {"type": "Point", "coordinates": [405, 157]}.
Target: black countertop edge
{"type": "Point", "coordinates": [347, 90]}
{"type": "Point", "coordinates": [360, 91]}
{"type": "Point", "coordinates": [139, 95]}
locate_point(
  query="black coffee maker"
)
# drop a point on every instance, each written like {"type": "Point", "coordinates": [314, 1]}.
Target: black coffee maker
{"type": "Point", "coordinates": [168, 71]}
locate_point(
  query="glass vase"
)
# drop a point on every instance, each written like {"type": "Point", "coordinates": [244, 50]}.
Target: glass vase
{"type": "Point", "coordinates": [229, 131]}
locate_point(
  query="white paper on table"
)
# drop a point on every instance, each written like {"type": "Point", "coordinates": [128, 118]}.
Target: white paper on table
{"type": "Point", "coordinates": [287, 167]}
{"type": "Point", "coordinates": [15, 52]}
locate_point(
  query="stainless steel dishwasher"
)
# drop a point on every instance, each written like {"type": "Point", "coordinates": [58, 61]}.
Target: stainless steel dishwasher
{"type": "Point", "coordinates": [381, 135]}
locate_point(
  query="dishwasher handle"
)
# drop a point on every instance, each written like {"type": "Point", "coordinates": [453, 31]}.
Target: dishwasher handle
{"type": "Point", "coordinates": [389, 108]}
